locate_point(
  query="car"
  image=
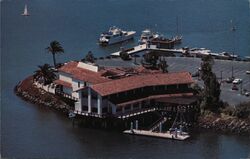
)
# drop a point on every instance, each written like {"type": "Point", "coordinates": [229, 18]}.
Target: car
{"type": "Point", "coordinates": [229, 80]}
{"type": "Point", "coordinates": [248, 72]}
{"type": "Point", "coordinates": [235, 88]}
{"type": "Point", "coordinates": [247, 94]}
{"type": "Point", "coordinates": [237, 81]}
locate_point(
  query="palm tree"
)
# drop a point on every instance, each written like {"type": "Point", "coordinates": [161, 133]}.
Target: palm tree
{"type": "Point", "coordinates": [55, 48]}
{"type": "Point", "coordinates": [163, 65]}
{"type": "Point", "coordinates": [45, 74]}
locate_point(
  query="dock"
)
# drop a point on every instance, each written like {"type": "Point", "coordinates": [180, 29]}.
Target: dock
{"type": "Point", "coordinates": [144, 47]}
{"type": "Point", "coordinates": [164, 135]}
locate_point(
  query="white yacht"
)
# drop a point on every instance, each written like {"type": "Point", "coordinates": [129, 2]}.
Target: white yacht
{"type": "Point", "coordinates": [115, 35]}
{"type": "Point", "coordinates": [147, 36]}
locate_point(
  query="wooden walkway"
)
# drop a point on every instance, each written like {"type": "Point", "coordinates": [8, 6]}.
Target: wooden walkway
{"type": "Point", "coordinates": [165, 135]}
{"type": "Point", "coordinates": [144, 47]}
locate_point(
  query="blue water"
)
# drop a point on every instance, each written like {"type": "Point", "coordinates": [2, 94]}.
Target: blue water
{"type": "Point", "coordinates": [29, 131]}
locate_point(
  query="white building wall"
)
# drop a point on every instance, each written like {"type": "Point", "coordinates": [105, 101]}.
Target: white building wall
{"type": "Point", "coordinates": [75, 84]}
{"type": "Point", "coordinates": [65, 77]}
{"type": "Point", "coordinates": [78, 106]}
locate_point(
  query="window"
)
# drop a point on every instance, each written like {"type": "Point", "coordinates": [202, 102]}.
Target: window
{"type": "Point", "coordinates": [79, 84]}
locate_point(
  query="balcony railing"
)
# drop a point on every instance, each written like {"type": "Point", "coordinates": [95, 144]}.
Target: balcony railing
{"type": "Point", "coordinates": [66, 95]}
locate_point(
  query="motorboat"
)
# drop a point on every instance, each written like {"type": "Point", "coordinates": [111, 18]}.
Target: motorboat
{"type": "Point", "coordinates": [115, 35]}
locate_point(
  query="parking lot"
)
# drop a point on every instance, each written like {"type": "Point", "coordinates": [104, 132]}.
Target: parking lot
{"type": "Point", "coordinates": [220, 67]}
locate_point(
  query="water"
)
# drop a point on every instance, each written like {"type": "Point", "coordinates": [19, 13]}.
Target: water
{"type": "Point", "coordinates": [33, 131]}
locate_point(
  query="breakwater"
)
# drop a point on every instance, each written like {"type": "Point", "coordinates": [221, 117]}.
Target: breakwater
{"type": "Point", "coordinates": [29, 92]}
{"type": "Point", "coordinates": [224, 123]}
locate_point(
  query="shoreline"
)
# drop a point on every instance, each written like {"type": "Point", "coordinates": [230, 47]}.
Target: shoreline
{"type": "Point", "coordinates": [212, 122]}
{"type": "Point", "coordinates": [28, 92]}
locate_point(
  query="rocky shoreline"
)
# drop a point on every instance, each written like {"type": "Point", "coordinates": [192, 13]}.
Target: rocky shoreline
{"type": "Point", "coordinates": [219, 123]}
{"type": "Point", "coordinates": [224, 123]}
{"type": "Point", "coordinates": [29, 92]}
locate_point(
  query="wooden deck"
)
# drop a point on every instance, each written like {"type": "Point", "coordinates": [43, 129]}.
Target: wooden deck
{"type": "Point", "coordinates": [165, 135]}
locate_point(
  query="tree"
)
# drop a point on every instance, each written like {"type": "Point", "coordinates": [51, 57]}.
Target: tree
{"type": "Point", "coordinates": [152, 59]}
{"type": "Point", "coordinates": [124, 55]}
{"type": "Point", "coordinates": [211, 94]}
{"type": "Point", "coordinates": [45, 74]}
{"type": "Point", "coordinates": [90, 57]}
{"type": "Point", "coordinates": [55, 48]}
{"type": "Point", "coordinates": [163, 65]}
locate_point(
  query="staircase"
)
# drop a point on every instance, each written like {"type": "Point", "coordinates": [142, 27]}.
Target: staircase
{"type": "Point", "coordinates": [157, 124]}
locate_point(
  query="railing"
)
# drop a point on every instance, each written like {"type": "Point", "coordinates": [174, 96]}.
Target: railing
{"type": "Point", "coordinates": [92, 114]}
{"type": "Point", "coordinates": [162, 120]}
{"type": "Point", "coordinates": [136, 112]}
{"type": "Point", "coordinates": [66, 95]}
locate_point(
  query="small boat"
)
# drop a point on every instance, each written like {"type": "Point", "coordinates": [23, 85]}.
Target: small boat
{"type": "Point", "coordinates": [115, 35]}
{"type": "Point", "coordinates": [25, 12]}
{"type": "Point", "coordinates": [233, 27]}
{"type": "Point", "coordinates": [71, 114]}
{"type": "Point", "coordinates": [147, 36]}
{"type": "Point", "coordinates": [177, 39]}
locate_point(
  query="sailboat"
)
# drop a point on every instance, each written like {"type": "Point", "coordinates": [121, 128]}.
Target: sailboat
{"type": "Point", "coordinates": [25, 12]}
{"type": "Point", "coordinates": [177, 39]}
{"type": "Point", "coordinates": [233, 28]}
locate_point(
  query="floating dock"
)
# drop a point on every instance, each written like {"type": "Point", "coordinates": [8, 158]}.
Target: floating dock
{"type": "Point", "coordinates": [165, 135]}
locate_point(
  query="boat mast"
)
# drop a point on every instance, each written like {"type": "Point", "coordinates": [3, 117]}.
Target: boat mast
{"type": "Point", "coordinates": [177, 25]}
{"type": "Point", "coordinates": [233, 36]}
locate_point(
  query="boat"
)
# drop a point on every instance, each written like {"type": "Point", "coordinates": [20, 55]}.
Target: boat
{"type": "Point", "coordinates": [233, 27]}
{"type": "Point", "coordinates": [177, 39]}
{"type": "Point", "coordinates": [25, 12]}
{"type": "Point", "coordinates": [115, 35]}
{"type": "Point", "coordinates": [147, 36]}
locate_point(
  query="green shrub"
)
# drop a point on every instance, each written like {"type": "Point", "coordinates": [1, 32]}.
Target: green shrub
{"type": "Point", "coordinates": [242, 110]}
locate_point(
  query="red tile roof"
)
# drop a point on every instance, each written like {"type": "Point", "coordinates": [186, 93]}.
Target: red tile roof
{"type": "Point", "coordinates": [60, 82]}
{"type": "Point", "coordinates": [83, 74]}
{"type": "Point", "coordinates": [138, 81]}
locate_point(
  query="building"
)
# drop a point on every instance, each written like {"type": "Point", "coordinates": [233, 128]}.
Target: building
{"type": "Point", "coordinates": [102, 92]}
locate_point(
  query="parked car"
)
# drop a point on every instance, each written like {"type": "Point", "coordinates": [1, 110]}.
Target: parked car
{"type": "Point", "coordinates": [235, 88]}
{"type": "Point", "coordinates": [248, 72]}
{"type": "Point", "coordinates": [247, 94]}
{"type": "Point", "coordinates": [237, 81]}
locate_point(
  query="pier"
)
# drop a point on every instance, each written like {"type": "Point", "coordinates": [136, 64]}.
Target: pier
{"type": "Point", "coordinates": [146, 47]}
{"type": "Point", "coordinates": [164, 135]}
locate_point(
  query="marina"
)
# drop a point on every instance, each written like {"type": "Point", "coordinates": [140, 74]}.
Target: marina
{"type": "Point", "coordinates": [186, 52]}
